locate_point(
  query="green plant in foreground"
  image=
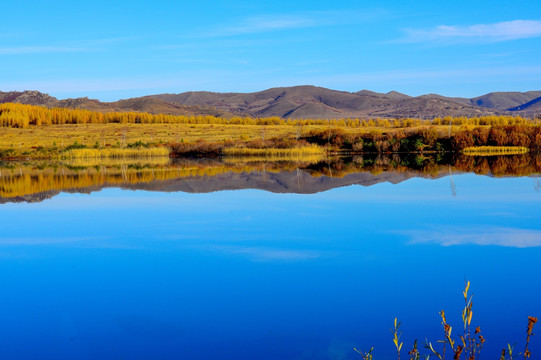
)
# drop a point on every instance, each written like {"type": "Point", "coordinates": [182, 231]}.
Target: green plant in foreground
{"type": "Point", "coordinates": [469, 344]}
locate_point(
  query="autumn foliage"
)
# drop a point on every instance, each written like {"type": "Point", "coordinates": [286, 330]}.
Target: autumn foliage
{"type": "Point", "coordinates": [22, 116]}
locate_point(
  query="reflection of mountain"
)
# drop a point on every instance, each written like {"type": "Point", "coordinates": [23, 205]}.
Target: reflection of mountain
{"type": "Point", "coordinates": [34, 183]}
{"type": "Point", "coordinates": [287, 181]}
{"type": "Point", "coordinates": [31, 198]}
{"type": "Point", "coordinates": [299, 182]}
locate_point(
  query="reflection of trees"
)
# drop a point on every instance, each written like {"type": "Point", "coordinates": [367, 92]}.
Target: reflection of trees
{"type": "Point", "coordinates": [515, 165]}
{"type": "Point", "coordinates": [25, 179]}
{"type": "Point", "coordinates": [432, 165]}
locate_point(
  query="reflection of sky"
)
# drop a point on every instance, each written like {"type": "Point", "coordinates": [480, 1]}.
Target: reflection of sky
{"type": "Point", "coordinates": [133, 274]}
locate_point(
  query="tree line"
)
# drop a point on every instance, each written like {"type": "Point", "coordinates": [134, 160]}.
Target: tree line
{"type": "Point", "coordinates": [24, 116]}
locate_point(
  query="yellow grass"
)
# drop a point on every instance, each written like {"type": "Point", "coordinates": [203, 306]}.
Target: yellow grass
{"type": "Point", "coordinates": [494, 150]}
{"type": "Point", "coordinates": [274, 152]}
{"type": "Point", "coordinates": [60, 136]}
{"type": "Point", "coordinates": [116, 153]}
{"type": "Point", "coordinates": [312, 154]}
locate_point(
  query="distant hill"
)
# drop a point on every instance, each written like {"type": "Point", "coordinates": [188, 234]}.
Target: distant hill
{"type": "Point", "coordinates": [314, 102]}
{"type": "Point", "coordinates": [529, 107]}
{"type": "Point", "coordinates": [27, 97]}
{"type": "Point", "coordinates": [142, 104]}
{"type": "Point", "coordinates": [505, 100]}
{"type": "Point", "coordinates": [300, 102]}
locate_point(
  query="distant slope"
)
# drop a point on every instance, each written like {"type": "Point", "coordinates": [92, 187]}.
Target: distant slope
{"type": "Point", "coordinates": [530, 106]}
{"type": "Point", "coordinates": [505, 100]}
{"type": "Point", "coordinates": [320, 103]}
{"type": "Point", "coordinates": [142, 104]}
{"type": "Point", "coordinates": [283, 102]}
{"type": "Point", "coordinates": [302, 102]}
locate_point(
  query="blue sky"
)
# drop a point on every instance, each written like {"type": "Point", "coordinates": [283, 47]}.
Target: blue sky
{"type": "Point", "coordinates": [111, 50]}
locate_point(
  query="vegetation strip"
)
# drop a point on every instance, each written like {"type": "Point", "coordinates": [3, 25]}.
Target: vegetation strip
{"type": "Point", "coordinates": [274, 152]}
{"type": "Point", "coordinates": [494, 150]}
{"type": "Point", "coordinates": [23, 116]}
{"type": "Point", "coordinates": [116, 153]}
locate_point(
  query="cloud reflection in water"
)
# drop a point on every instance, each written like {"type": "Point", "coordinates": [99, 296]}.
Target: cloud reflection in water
{"type": "Point", "coordinates": [492, 235]}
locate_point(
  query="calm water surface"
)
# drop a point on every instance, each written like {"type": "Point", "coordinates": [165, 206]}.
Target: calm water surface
{"type": "Point", "coordinates": [250, 274]}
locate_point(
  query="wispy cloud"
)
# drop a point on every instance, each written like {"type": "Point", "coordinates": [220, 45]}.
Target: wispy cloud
{"type": "Point", "coordinates": [101, 84]}
{"type": "Point", "coordinates": [263, 24]}
{"type": "Point", "coordinates": [41, 50]}
{"type": "Point", "coordinates": [258, 253]}
{"type": "Point", "coordinates": [50, 240]}
{"type": "Point", "coordinates": [80, 46]}
{"type": "Point", "coordinates": [275, 22]}
{"type": "Point", "coordinates": [112, 40]}
{"type": "Point", "coordinates": [496, 236]}
{"type": "Point", "coordinates": [465, 75]}
{"type": "Point", "coordinates": [501, 31]}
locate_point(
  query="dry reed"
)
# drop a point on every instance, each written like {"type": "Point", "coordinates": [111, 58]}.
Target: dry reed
{"type": "Point", "coordinates": [116, 153]}
{"type": "Point", "coordinates": [278, 154]}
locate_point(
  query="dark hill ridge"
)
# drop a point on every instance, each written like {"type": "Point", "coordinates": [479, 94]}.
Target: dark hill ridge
{"type": "Point", "coordinates": [314, 102]}
{"type": "Point", "coordinates": [300, 102]}
{"type": "Point", "coordinates": [534, 105]}
{"type": "Point", "coordinates": [505, 100]}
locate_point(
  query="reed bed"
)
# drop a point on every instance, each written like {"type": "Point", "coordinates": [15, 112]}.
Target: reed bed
{"type": "Point", "coordinates": [86, 162]}
{"type": "Point", "coordinates": [122, 153]}
{"type": "Point", "coordinates": [494, 150]}
{"type": "Point", "coordinates": [275, 153]}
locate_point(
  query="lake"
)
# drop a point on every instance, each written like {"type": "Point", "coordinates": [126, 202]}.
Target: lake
{"type": "Point", "coordinates": [216, 259]}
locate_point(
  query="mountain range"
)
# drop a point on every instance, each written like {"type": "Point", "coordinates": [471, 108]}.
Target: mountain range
{"type": "Point", "coordinates": [302, 102]}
